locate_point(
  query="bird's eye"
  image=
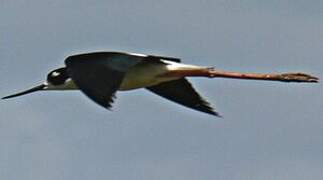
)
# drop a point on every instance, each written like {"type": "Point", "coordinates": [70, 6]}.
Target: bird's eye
{"type": "Point", "coordinates": [57, 77]}
{"type": "Point", "coordinates": [55, 74]}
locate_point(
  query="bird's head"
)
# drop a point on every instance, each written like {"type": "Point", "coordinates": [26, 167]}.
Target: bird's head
{"type": "Point", "coordinates": [57, 79]}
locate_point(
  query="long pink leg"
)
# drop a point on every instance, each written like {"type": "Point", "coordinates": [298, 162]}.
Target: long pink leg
{"type": "Point", "coordinates": [213, 73]}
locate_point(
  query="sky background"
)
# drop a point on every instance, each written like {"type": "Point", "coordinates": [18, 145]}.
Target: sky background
{"type": "Point", "coordinates": [270, 130]}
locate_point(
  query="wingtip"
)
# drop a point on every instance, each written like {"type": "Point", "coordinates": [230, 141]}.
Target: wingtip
{"type": "Point", "coordinates": [217, 115]}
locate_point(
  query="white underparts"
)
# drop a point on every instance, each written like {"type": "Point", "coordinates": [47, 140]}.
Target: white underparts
{"type": "Point", "coordinates": [149, 74]}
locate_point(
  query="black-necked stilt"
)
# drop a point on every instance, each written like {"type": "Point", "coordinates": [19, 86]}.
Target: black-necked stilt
{"type": "Point", "coordinates": [100, 74]}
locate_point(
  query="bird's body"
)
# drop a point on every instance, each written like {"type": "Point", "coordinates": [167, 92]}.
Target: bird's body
{"type": "Point", "coordinates": [100, 74]}
{"type": "Point", "coordinates": [139, 76]}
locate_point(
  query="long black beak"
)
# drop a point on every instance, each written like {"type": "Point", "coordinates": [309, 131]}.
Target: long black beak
{"type": "Point", "coordinates": [34, 89]}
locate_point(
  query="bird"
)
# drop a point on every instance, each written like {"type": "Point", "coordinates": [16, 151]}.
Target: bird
{"type": "Point", "coordinates": [99, 75]}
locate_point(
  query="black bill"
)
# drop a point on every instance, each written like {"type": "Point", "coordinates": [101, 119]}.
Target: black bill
{"type": "Point", "coordinates": [34, 89]}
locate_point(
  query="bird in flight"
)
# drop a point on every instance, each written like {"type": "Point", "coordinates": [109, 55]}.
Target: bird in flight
{"type": "Point", "coordinates": [99, 75]}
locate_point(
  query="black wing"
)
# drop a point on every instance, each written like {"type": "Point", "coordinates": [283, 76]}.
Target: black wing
{"type": "Point", "coordinates": [99, 75]}
{"type": "Point", "coordinates": [182, 92]}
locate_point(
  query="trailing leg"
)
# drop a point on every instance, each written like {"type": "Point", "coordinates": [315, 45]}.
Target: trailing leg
{"type": "Point", "coordinates": [214, 73]}
{"type": "Point", "coordinates": [284, 77]}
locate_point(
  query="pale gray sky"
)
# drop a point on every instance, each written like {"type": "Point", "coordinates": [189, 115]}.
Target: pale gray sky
{"type": "Point", "coordinates": [269, 130]}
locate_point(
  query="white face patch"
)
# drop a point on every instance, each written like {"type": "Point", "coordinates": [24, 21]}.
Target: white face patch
{"type": "Point", "coordinates": [55, 74]}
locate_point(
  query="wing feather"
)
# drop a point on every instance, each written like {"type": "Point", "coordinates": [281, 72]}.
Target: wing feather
{"type": "Point", "coordinates": [182, 92]}
{"type": "Point", "coordinates": [99, 75]}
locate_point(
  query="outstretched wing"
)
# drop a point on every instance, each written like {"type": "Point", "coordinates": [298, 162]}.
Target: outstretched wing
{"type": "Point", "coordinates": [182, 92]}
{"type": "Point", "coordinates": [99, 75]}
